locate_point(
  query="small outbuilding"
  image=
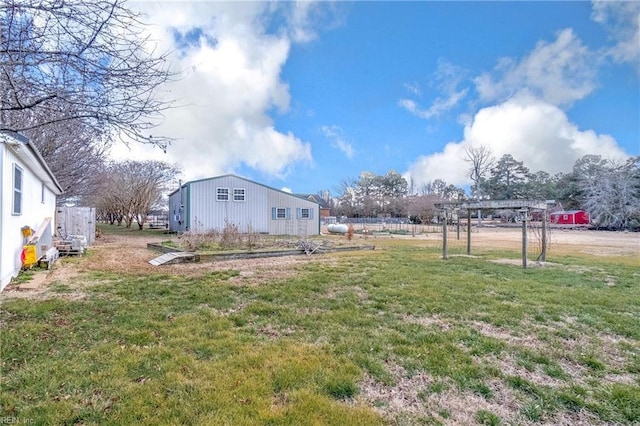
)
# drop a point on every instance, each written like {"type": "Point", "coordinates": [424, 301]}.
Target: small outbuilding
{"type": "Point", "coordinates": [570, 217]}
{"type": "Point", "coordinates": [27, 204]}
{"type": "Point", "coordinates": [217, 202]}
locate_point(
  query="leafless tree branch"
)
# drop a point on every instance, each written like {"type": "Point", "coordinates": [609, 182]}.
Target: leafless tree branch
{"type": "Point", "coordinates": [87, 62]}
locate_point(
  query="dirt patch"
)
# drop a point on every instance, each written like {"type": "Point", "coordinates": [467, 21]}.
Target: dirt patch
{"type": "Point", "coordinates": [416, 395]}
{"type": "Point", "coordinates": [518, 262]}
{"type": "Point", "coordinates": [130, 255]}
{"type": "Point", "coordinates": [607, 348]}
{"type": "Point", "coordinates": [601, 243]}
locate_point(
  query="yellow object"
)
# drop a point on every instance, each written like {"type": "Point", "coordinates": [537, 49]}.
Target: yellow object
{"type": "Point", "coordinates": [30, 257]}
{"type": "Point", "coordinates": [26, 231]}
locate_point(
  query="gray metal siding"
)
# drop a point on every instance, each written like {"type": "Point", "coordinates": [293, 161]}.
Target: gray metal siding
{"type": "Point", "coordinates": [293, 225]}
{"type": "Point", "coordinates": [205, 212]}
{"type": "Point", "coordinates": [177, 211]}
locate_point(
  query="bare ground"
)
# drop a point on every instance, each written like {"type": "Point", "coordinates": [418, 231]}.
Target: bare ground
{"type": "Point", "coordinates": [129, 254]}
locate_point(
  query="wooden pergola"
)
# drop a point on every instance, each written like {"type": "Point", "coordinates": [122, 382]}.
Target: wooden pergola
{"type": "Point", "coordinates": [522, 206]}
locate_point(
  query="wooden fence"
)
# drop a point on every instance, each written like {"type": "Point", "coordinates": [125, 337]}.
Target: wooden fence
{"type": "Point", "coordinates": [76, 221]}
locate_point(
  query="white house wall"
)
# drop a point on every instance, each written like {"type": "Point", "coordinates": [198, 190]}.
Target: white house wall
{"type": "Point", "coordinates": [34, 210]}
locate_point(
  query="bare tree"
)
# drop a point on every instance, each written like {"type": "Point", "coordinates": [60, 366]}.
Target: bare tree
{"type": "Point", "coordinates": [422, 208]}
{"type": "Point", "coordinates": [347, 202]}
{"type": "Point", "coordinates": [612, 196]}
{"type": "Point", "coordinates": [482, 160]}
{"type": "Point", "coordinates": [132, 189]}
{"type": "Point", "coordinates": [75, 154]}
{"type": "Point", "coordinates": [90, 62]}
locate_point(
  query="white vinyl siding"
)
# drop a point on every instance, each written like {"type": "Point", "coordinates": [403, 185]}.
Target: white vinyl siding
{"type": "Point", "coordinates": [23, 206]}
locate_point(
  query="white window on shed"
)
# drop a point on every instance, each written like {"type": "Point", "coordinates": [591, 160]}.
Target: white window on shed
{"type": "Point", "coordinates": [280, 213]}
{"type": "Point", "coordinates": [239, 194]}
{"type": "Point", "coordinates": [17, 189]}
{"type": "Point", "coordinates": [42, 193]}
{"type": "Point", "coordinates": [222, 194]}
{"type": "Point", "coordinates": [304, 213]}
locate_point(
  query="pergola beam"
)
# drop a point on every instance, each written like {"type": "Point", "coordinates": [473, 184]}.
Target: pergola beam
{"type": "Point", "coordinates": [493, 204]}
{"type": "Point", "coordinates": [522, 205]}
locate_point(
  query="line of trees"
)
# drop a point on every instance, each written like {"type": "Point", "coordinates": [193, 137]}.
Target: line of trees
{"type": "Point", "coordinates": [131, 190]}
{"type": "Point", "coordinates": [608, 190]}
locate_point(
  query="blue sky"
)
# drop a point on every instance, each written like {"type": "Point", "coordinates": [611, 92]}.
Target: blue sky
{"type": "Point", "coordinates": [305, 96]}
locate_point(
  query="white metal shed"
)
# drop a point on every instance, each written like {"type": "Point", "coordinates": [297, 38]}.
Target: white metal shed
{"type": "Point", "coordinates": [213, 203]}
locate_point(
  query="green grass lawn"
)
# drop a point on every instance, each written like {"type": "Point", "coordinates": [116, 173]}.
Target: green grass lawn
{"type": "Point", "coordinates": [391, 336]}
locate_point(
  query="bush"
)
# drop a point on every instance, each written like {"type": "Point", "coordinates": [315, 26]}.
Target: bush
{"type": "Point", "coordinates": [230, 238]}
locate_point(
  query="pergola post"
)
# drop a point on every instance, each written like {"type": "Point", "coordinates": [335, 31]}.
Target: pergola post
{"type": "Point", "coordinates": [444, 236]}
{"type": "Point", "coordinates": [543, 254]}
{"type": "Point", "coordinates": [468, 232]}
{"type": "Point", "coordinates": [524, 238]}
{"type": "Point", "coordinates": [523, 205]}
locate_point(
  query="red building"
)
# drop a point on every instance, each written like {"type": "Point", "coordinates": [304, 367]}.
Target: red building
{"type": "Point", "coordinates": [570, 217]}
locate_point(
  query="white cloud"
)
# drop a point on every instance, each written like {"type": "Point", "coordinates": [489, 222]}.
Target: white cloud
{"type": "Point", "coordinates": [413, 88]}
{"type": "Point", "coordinates": [338, 140]}
{"type": "Point", "coordinates": [622, 20]}
{"type": "Point", "coordinates": [532, 130]}
{"type": "Point", "coordinates": [560, 72]}
{"type": "Point", "coordinates": [304, 17]}
{"type": "Point", "coordinates": [413, 107]}
{"type": "Point", "coordinates": [528, 93]}
{"type": "Point", "coordinates": [447, 79]}
{"type": "Point", "coordinates": [232, 85]}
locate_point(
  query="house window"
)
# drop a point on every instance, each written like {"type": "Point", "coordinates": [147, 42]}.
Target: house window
{"type": "Point", "coordinates": [42, 193]}
{"type": "Point", "coordinates": [222, 194]}
{"type": "Point", "coordinates": [17, 189]}
{"type": "Point", "coordinates": [238, 194]}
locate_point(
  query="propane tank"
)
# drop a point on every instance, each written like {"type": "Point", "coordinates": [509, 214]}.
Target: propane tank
{"type": "Point", "coordinates": [337, 228]}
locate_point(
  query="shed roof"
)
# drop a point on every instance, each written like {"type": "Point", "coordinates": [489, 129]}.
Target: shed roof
{"type": "Point", "coordinates": [241, 178]}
